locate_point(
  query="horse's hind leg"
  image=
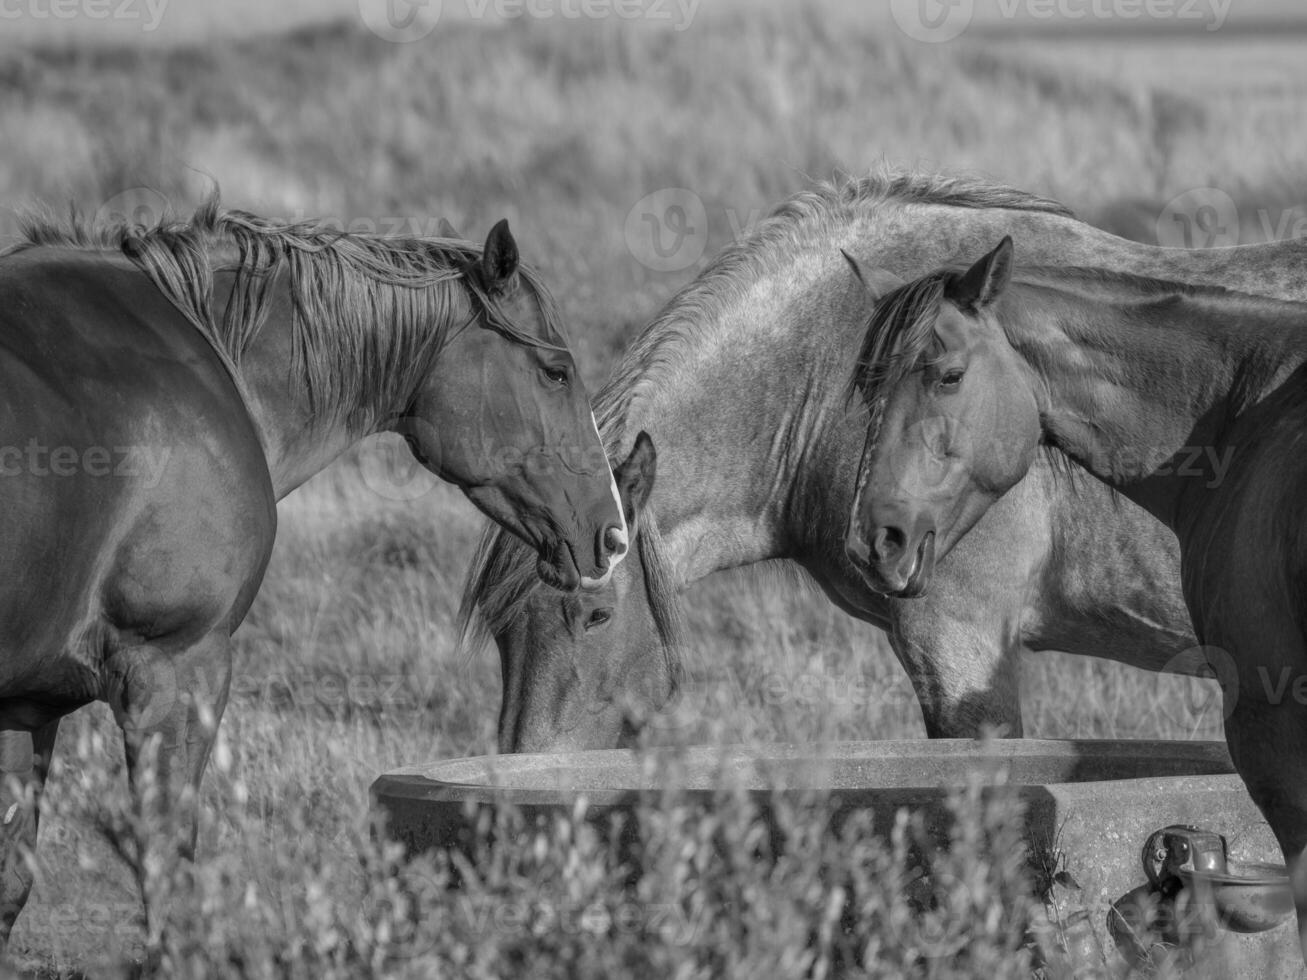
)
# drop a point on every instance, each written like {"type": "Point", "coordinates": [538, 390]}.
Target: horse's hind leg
{"type": "Point", "coordinates": [25, 754]}
{"type": "Point", "coordinates": [168, 704]}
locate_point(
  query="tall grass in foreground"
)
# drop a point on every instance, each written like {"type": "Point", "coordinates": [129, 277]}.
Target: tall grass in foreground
{"type": "Point", "coordinates": [693, 893]}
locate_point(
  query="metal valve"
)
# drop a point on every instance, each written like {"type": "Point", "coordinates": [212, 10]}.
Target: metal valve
{"type": "Point", "coordinates": [1194, 891]}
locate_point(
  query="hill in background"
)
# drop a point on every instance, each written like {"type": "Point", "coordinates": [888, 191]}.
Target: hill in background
{"type": "Point", "coordinates": [564, 126]}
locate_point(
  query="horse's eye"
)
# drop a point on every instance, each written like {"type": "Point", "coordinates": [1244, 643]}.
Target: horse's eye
{"type": "Point", "coordinates": [951, 379]}
{"type": "Point", "coordinates": [598, 617]}
{"type": "Point", "coordinates": [556, 375]}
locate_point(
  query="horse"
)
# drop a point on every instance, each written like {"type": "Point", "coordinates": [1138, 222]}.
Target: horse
{"type": "Point", "coordinates": [739, 383]}
{"type": "Point", "coordinates": [164, 387]}
{"type": "Point", "coordinates": [1190, 401]}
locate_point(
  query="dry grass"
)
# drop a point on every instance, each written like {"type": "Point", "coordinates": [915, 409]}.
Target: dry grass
{"type": "Point", "coordinates": [346, 665]}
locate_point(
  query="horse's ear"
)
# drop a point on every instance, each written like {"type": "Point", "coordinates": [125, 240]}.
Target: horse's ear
{"type": "Point", "coordinates": [983, 282]}
{"type": "Point", "coordinates": [446, 230]}
{"type": "Point", "coordinates": [499, 257]}
{"type": "Point", "coordinates": [877, 282]}
{"type": "Point", "coordinates": [635, 477]}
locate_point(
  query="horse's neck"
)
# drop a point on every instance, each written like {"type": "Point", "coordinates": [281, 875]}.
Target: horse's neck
{"type": "Point", "coordinates": [740, 418]}
{"type": "Point", "coordinates": [714, 493]}
{"type": "Point", "coordinates": [1140, 391]}
{"type": "Point", "coordinates": [298, 440]}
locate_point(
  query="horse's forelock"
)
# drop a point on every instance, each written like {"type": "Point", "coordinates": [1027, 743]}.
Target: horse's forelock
{"type": "Point", "coordinates": [899, 330]}
{"type": "Point", "coordinates": [552, 335]}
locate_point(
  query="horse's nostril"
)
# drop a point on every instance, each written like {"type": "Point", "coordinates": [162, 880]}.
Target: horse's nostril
{"type": "Point", "coordinates": [615, 540]}
{"type": "Point", "coordinates": [888, 543]}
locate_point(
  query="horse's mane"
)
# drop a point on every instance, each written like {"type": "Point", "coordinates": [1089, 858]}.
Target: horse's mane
{"type": "Point", "coordinates": [502, 577]}
{"type": "Point", "coordinates": [819, 212]}
{"type": "Point", "coordinates": [900, 331]}
{"type": "Point", "coordinates": [901, 327]}
{"type": "Point", "coordinates": [369, 312]}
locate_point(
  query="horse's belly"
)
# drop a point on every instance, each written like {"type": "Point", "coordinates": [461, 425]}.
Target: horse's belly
{"type": "Point", "coordinates": [1245, 555]}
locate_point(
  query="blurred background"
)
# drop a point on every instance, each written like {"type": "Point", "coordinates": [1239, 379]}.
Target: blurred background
{"type": "Point", "coordinates": [1175, 122]}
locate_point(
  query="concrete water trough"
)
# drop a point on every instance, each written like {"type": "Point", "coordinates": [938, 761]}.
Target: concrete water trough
{"type": "Point", "coordinates": [1160, 832]}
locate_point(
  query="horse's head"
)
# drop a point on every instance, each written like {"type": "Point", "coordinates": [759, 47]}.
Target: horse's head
{"type": "Point", "coordinates": [583, 670]}
{"type": "Point", "coordinates": [517, 433]}
{"type": "Point", "coordinates": [955, 422]}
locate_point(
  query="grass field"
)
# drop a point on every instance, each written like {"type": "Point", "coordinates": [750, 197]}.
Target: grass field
{"type": "Point", "coordinates": [347, 664]}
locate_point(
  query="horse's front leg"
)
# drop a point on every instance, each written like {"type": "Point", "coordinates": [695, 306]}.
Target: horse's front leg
{"type": "Point", "coordinates": [964, 665]}
{"type": "Point", "coordinates": [961, 643]}
{"type": "Point", "coordinates": [25, 753]}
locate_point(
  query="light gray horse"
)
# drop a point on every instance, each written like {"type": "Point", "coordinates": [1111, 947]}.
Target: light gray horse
{"type": "Point", "coordinates": [741, 383]}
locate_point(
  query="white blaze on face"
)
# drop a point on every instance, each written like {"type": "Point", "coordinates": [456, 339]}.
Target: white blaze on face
{"type": "Point", "coordinates": [622, 535]}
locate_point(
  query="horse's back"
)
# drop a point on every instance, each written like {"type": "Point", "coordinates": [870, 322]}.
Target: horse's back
{"type": "Point", "coordinates": [134, 496]}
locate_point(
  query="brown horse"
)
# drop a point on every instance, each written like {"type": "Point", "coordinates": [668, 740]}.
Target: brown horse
{"type": "Point", "coordinates": [161, 389]}
{"type": "Point", "coordinates": [1189, 401]}
{"type": "Point", "coordinates": [740, 381]}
